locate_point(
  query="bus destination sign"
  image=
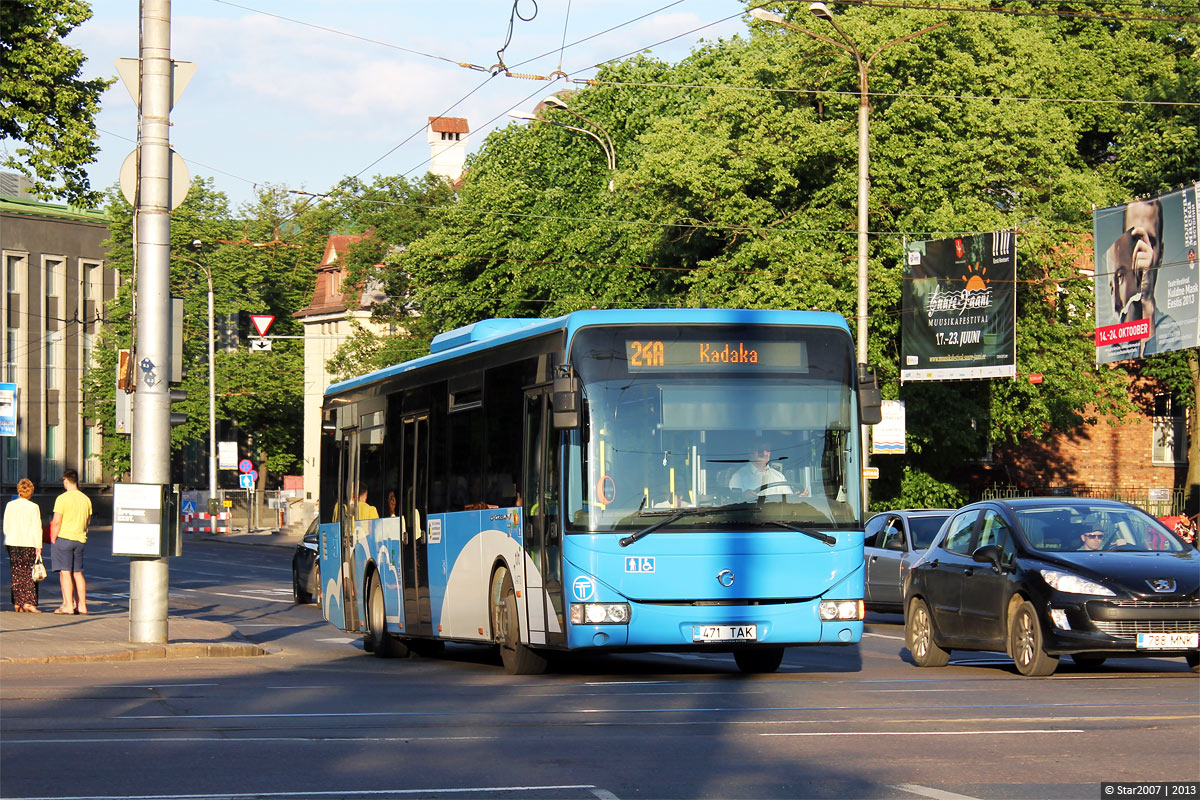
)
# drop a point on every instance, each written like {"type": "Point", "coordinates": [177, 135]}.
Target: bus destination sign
{"type": "Point", "coordinates": [656, 354]}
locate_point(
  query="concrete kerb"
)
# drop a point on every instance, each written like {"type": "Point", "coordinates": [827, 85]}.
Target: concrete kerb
{"type": "Point", "coordinates": [150, 652]}
{"type": "Point", "coordinates": [46, 638]}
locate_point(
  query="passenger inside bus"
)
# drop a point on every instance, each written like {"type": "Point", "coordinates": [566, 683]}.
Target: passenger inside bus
{"type": "Point", "coordinates": [365, 510]}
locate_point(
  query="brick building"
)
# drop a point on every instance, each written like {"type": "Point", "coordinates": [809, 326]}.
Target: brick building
{"type": "Point", "coordinates": [1142, 458]}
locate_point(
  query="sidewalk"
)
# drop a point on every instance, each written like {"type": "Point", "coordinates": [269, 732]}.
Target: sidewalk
{"type": "Point", "coordinates": [104, 635]}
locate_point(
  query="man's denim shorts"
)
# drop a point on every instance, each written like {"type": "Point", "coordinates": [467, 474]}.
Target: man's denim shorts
{"type": "Point", "coordinates": [66, 554]}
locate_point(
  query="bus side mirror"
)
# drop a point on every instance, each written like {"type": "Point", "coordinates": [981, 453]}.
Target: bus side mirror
{"type": "Point", "coordinates": [870, 401]}
{"type": "Point", "coordinates": [565, 399]}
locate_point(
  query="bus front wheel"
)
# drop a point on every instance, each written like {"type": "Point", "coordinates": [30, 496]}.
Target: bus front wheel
{"type": "Point", "coordinates": [518, 659]}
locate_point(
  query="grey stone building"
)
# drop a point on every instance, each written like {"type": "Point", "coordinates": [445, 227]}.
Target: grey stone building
{"type": "Point", "coordinates": [55, 283]}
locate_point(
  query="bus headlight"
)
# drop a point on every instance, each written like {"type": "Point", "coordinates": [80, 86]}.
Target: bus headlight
{"type": "Point", "coordinates": [600, 613]}
{"type": "Point", "coordinates": [830, 610]}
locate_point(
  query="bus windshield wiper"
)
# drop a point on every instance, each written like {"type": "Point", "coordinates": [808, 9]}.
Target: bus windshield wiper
{"type": "Point", "coordinates": [820, 537]}
{"type": "Point", "coordinates": [670, 516]}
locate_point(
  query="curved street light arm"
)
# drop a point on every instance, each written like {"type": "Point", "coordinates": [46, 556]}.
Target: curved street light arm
{"type": "Point", "coordinates": [610, 150]}
{"type": "Point", "coordinates": [905, 39]}
{"type": "Point", "coordinates": [606, 144]}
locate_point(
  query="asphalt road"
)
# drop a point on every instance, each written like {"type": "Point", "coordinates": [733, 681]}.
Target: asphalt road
{"type": "Point", "coordinates": [320, 719]}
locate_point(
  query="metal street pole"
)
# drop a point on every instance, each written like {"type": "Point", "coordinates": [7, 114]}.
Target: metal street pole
{"type": "Point", "coordinates": [864, 113]}
{"type": "Point", "coordinates": [212, 409]}
{"type": "Point", "coordinates": [212, 373]}
{"type": "Point", "coordinates": [151, 445]}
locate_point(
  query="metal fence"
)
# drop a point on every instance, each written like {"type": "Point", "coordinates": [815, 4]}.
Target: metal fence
{"type": "Point", "coordinates": [1158, 502]}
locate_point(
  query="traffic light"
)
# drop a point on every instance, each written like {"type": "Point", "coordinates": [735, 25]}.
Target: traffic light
{"type": "Point", "coordinates": [178, 417]}
{"type": "Point", "coordinates": [227, 333]}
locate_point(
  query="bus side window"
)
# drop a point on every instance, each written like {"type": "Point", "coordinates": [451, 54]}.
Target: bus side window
{"type": "Point", "coordinates": [331, 456]}
{"type": "Point", "coordinates": [503, 399]}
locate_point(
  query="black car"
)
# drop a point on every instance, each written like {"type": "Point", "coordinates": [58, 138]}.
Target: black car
{"type": "Point", "coordinates": [306, 567]}
{"type": "Point", "coordinates": [1046, 577]}
{"type": "Point", "coordinates": [894, 540]}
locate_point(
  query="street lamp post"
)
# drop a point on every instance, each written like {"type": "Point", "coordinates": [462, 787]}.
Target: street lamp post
{"type": "Point", "coordinates": [864, 112]}
{"type": "Point", "coordinates": [212, 394]}
{"type": "Point", "coordinates": [606, 143]}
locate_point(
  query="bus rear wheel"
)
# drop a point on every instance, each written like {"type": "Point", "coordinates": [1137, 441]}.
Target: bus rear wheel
{"type": "Point", "coordinates": [378, 640]}
{"type": "Point", "coordinates": [518, 659]}
{"type": "Point", "coordinates": [759, 659]}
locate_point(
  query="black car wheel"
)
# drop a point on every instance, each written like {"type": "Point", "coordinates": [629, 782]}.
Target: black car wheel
{"type": "Point", "coordinates": [1025, 643]}
{"type": "Point", "coordinates": [759, 659]}
{"type": "Point", "coordinates": [1193, 660]}
{"type": "Point", "coordinates": [299, 594]}
{"type": "Point", "coordinates": [918, 635]}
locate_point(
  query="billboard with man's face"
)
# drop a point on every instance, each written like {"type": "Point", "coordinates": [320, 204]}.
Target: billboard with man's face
{"type": "Point", "coordinates": [960, 308]}
{"type": "Point", "coordinates": [1147, 287]}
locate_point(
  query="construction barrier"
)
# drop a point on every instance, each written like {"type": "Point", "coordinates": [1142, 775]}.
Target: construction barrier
{"type": "Point", "coordinates": [202, 522]}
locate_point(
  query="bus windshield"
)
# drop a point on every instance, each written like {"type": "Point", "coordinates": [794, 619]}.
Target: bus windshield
{"type": "Point", "coordinates": [752, 423]}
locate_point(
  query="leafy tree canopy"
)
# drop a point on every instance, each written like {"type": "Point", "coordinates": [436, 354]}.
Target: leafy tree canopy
{"type": "Point", "coordinates": [46, 109]}
{"type": "Point", "coordinates": [736, 186]}
{"type": "Point", "coordinates": [259, 263]}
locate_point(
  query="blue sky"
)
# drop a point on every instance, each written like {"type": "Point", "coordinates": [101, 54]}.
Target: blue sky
{"type": "Point", "coordinates": [303, 92]}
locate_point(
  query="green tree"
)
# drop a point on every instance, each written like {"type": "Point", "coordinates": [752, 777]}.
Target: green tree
{"type": "Point", "coordinates": [261, 263]}
{"type": "Point", "coordinates": [46, 108]}
{"type": "Point", "coordinates": [736, 186]}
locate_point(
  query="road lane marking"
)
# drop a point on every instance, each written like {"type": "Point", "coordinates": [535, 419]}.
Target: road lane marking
{"type": "Point", "coordinates": [917, 691]}
{"type": "Point", "coordinates": [927, 733]}
{"type": "Point", "coordinates": [589, 711]}
{"type": "Point", "coordinates": [228, 740]}
{"type": "Point", "coordinates": [239, 596]}
{"type": "Point", "coordinates": [928, 791]}
{"type": "Point", "coordinates": [344, 793]}
{"type": "Point", "coordinates": [154, 685]}
{"type": "Point", "coordinates": [883, 636]}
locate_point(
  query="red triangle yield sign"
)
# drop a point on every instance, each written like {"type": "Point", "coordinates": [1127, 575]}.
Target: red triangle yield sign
{"type": "Point", "coordinates": [262, 322]}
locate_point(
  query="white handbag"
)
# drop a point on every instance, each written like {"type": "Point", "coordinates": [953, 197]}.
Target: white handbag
{"type": "Point", "coordinates": [39, 570]}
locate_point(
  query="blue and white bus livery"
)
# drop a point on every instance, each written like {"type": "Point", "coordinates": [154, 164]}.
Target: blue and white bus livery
{"type": "Point", "coordinates": [646, 480]}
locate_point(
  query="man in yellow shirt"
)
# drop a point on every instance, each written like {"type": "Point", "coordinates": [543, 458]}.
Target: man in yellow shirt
{"type": "Point", "coordinates": [68, 532]}
{"type": "Point", "coordinates": [365, 510]}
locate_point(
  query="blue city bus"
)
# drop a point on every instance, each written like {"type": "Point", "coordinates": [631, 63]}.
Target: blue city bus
{"type": "Point", "coordinates": [617, 480]}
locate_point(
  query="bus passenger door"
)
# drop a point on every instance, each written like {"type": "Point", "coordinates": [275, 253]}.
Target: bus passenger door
{"type": "Point", "coordinates": [542, 535]}
{"type": "Point", "coordinates": [414, 482]}
{"type": "Point", "coordinates": [347, 514]}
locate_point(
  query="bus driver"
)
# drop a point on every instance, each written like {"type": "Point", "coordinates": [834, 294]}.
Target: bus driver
{"type": "Point", "coordinates": [757, 478]}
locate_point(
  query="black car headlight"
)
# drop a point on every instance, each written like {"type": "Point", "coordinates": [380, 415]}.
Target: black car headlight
{"type": "Point", "coordinates": [1069, 583]}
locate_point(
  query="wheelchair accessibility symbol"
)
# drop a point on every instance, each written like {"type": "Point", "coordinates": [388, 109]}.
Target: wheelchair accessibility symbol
{"type": "Point", "coordinates": [583, 588]}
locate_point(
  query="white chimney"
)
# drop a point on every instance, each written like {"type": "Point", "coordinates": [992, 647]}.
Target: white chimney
{"type": "Point", "coordinates": [447, 146]}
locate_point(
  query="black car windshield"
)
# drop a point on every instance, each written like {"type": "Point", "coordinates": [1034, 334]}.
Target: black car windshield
{"type": "Point", "coordinates": [1100, 528]}
{"type": "Point", "coordinates": [924, 528]}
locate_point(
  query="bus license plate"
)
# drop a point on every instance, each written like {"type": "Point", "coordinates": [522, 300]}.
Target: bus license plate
{"type": "Point", "coordinates": [1167, 641]}
{"type": "Point", "coordinates": [724, 633]}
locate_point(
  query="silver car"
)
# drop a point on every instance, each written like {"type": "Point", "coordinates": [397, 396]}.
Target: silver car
{"type": "Point", "coordinates": [894, 541]}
